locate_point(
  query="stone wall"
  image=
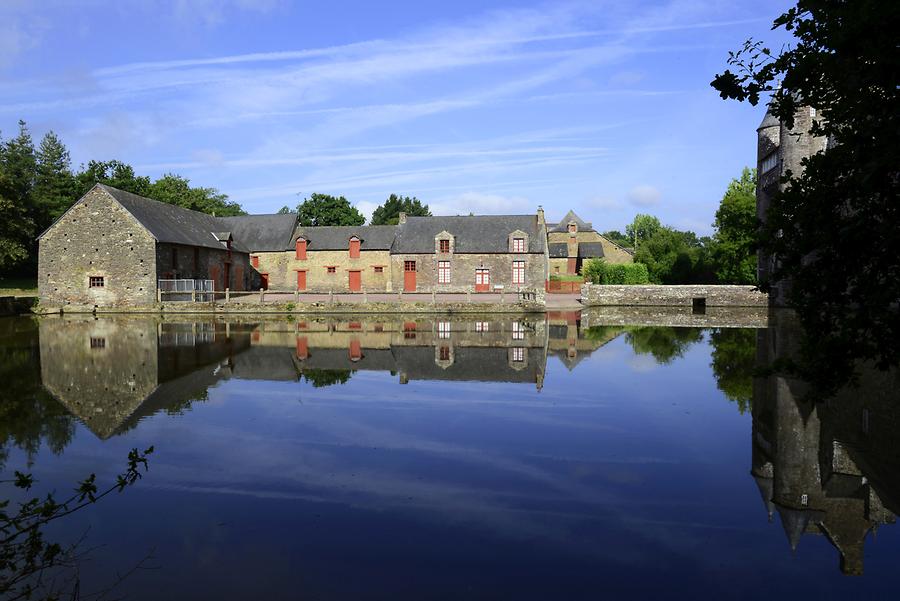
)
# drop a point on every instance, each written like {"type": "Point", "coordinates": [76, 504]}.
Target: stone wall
{"type": "Point", "coordinates": [97, 237]}
{"type": "Point", "coordinates": [672, 296]}
{"type": "Point", "coordinates": [462, 271]}
{"type": "Point", "coordinates": [175, 261]}
{"type": "Point", "coordinates": [282, 269]}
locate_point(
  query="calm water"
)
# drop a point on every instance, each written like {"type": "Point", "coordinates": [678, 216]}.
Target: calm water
{"type": "Point", "coordinates": [482, 458]}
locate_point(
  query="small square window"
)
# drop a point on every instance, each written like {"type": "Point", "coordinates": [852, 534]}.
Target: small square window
{"type": "Point", "coordinates": [518, 354]}
{"type": "Point", "coordinates": [445, 246]}
{"type": "Point", "coordinates": [444, 353]}
{"type": "Point", "coordinates": [98, 343]}
{"type": "Point", "coordinates": [95, 281]}
{"type": "Point", "coordinates": [331, 269]}
{"type": "Point", "coordinates": [378, 269]}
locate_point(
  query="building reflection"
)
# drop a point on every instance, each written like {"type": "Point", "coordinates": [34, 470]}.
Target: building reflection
{"type": "Point", "coordinates": [828, 468]}
{"type": "Point", "coordinates": [112, 372]}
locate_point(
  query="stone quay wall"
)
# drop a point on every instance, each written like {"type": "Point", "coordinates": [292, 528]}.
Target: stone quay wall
{"type": "Point", "coordinates": [597, 295]}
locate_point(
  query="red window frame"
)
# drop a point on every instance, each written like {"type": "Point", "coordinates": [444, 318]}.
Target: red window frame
{"type": "Point", "coordinates": [301, 249]}
{"type": "Point", "coordinates": [96, 281]}
{"type": "Point", "coordinates": [444, 246]}
{"type": "Point", "coordinates": [409, 266]}
{"type": "Point", "coordinates": [254, 261]}
{"type": "Point", "coordinates": [354, 247]}
{"type": "Point", "coordinates": [518, 245]}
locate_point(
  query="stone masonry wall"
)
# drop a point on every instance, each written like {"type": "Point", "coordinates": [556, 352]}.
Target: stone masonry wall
{"type": "Point", "coordinates": [97, 237]}
{"type": "Point", "coordinates": [462, 271]}
{"type": "Point", "coordinates": [593, 295]}
{"type": "Point", "coordinates": [611, 252]}
{"type": "Point", "coordinates": [282, 268]}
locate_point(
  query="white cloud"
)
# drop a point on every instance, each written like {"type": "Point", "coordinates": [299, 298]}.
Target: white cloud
{"type": "Point", "coordinates": [604, 202]}
{"type": "Point", "coordinates": [644, 196]}
{"type": "Point", "coordinates": [480, 203]}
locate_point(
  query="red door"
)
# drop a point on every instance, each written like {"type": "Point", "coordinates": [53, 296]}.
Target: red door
{"type": "Point", "coordinates": [409, 276]}
{"type": "Point", "coordinates": [264, 278]}
{"type": "Point", "coordinates": [355, 281]}
{"type": "Point", "coordinates": [482, 280]}
{"type": "Point", "coordinates": [301, 280]}
{"type": "Point", "coordinates": [572, 265]}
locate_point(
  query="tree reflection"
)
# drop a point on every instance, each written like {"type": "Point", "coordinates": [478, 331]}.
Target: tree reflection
{"type": "Point", "coordinates": [733, 363]}
{"type": "Point", "coordinates": [29, 416]}
{"type": "Point", "coordinates": [320, 378]}
{"type": "Point", "coordinates": [664, 344]}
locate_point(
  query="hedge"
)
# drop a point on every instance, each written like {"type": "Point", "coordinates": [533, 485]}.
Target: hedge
{"type": "Point", "coordinates": [599, 271]}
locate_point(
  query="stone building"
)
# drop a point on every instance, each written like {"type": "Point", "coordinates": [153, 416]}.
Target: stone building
{"type": "Point", "coordinates": [573, 241]}
{"type": "Point", "coordinates": [778, 151]}
{"type": "Point", "coordinates": [112, 247]}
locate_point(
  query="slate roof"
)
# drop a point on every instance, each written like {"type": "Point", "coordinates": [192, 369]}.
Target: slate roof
{"type": "Point", "coordinates": [337, 237]}
{"type": "Point", "coordinates": [590, 250]}
{"type": "Point", "coordinates": [769, 120]}
{"type": "Point", "coordinates": [563, 225]}
{"type": "Point", "coordinates": [471, 364]}
{"type": "Point", "coordinates": [472, 233]}
{"type": "Point", "coordinates": [262, 233]}
{"type": "Point", "coordinates": [172, 224]}
{"type": "Point", "coordinates": [559, 250]}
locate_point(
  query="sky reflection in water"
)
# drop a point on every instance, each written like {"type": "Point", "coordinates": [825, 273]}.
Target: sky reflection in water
{"type": "Point", "coordinates": [480, 458]}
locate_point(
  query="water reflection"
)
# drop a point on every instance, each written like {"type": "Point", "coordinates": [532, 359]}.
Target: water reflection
{"type": "Point", "coordinates": [828, 467]}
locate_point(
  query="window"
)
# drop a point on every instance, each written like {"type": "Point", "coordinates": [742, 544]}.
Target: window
{"type": "Point", "coordinates": [254, 261]}
{"type": "Point", "coordinates": [482, 326]}
{"type": "Point", "coordinates": [301, 249]}
{"type": "Point", "coordinates": [409, 330]}
{"type": "Point", "coordinates": [354, 247]}
{"type": "Point", "coordinates": [409, 265]}
{"type": "Point", "coordinates": [518, 245]}
{"type": "Point", "coordinates": [573, 228]}
{"type": "Point", "coordinates": [444, 353]}
{"type": "Point", "coordinates": [443, 272]}
{"type": "Point", "coordinates": [769, 163]}
{"type": "Point", "coordinates": [355, 325]}
{"type": "Point", "coordinates": [444, 246]}
{"type": "Point", "coordinates": [518, 331]}
{"type": "Point", "coordinates": [331, 269]}
{"type": "Point", "coordinates": [443, 329]}
{"type": "Point", "coordinates": [378, 269]}
{"type": "Point", "coordinates": [95, 281]}
{"type": "Point", "coordinates": [518, 354]}
{"type": "Point", "coordinates": [518, 275]}
{"type": "Point", "coordinates": [97, 343]}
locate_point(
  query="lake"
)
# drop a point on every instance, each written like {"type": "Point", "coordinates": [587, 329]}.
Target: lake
{"type": "Point", "coordinates": [542, 457]}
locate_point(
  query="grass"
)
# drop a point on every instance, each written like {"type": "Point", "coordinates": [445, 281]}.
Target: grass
{"type": "Point", "coordinates": [567, 278]}
{"type": "Point", "coordinates": [18, 287]}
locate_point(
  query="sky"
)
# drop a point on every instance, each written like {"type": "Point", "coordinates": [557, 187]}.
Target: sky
{"type": "Point", "coordinates": [471, 106]}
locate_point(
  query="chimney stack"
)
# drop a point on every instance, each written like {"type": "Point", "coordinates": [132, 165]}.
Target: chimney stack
{"type": "Point", "coordinates": [401, 218]}
{"type": "Point", "coordinates": [540, 215]}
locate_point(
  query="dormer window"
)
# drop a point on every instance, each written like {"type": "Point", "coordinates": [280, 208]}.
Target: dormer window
{"type": "Point", "coordinates": [301, 249]}
{"type": "Point", "coordinates": [573, 227]}
{"type": "Point", "coordinates": [445, 246]}
{"type": "Point", "coordinates": [518, 245]}
{"type": "Point", "coordinates": [354, 247]}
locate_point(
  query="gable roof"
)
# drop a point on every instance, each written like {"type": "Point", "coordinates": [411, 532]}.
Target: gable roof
{"type": "Point", "coordinates": [589, 250]}
{"type": "Point", "coordinates": [262, 232]}
{"type": "Point", "coordinates": [563, 225]}
{"type": "Point", "coordinates": [559, 250]}
{"type": "Point", "coordinates": [170, 223]}
{"type": "Point", "coordinates": [337, 237]}
{"type": "Point", "coordinates": [472, 233]}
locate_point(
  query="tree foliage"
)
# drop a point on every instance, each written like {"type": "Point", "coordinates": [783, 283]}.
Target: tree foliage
{"type": "Point", "coordinates": [734, 363]}
{"type": "Point", "coordinates": [324, 209]}
{"type": "Point", "coordinates": [736, 231]}
{"type": "Point", "coordinates": [599, 271]}
{"type": "Point", "coordinates": [834, 227]}
{"type": "Point", "coordinates": [176, 190]}
{"type": "Point", "coordinates": [642, 228]}
{"type": "Point", "coordinates": [389, 212]}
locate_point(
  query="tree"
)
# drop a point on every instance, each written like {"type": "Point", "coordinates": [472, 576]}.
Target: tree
{"type": "Point", "coordinates": [285, 210]}
{"type": "Point", "coordinates": [619, 238]}
{"type": "Point", "coordinates": [112, 173]}
{"type": "Point", "coordinates": [664, 344]}
{"type": "Point", "coordinates": [324, 209]}
{"type": "Point", "coordinates": [734, 363]}
{"type": "Point", "coordinates": [642, 228]}
{"type": "Point", "coordinates": [389, 212]}
{"type": "Point", "coordinates": [17, 211]}
{"type": "Point", "coordinates": [671, 256]}
{"type": "Point", "coordinates": [834, 227]}
{"type": "Point", "coordinates": [321, 378]}
{"type": "Point", "coordinates": [736, 231]}
{"type": "Point", "coordinates": [54, 186]}
{"type": "Point", "coordinates": [176, 190]}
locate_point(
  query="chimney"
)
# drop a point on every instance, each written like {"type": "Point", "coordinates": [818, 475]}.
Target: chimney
{"type": "Point", "coordinates": [401, 218]}
{"type": "Point", "coordinates": [540, 215]}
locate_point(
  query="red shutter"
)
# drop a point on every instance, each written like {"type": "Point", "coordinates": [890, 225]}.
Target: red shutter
{"type": "Point", "coordinates": [254, 261]}
{"type": "Point", "coordinates": [301, 250]}
{"type": "Point", "coordinates": [354, 249]}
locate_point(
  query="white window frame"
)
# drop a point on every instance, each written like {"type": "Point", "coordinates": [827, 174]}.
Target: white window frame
{"type": "Point", "coordinates": [444, 329]}
{"type": "Point", "coordinates": [518, 245]}
{"type": "Point", "coordinates": [444, 273]}
{"type": "Point", "coordinates": [518, 354]}
{"type": "Point", "coordinates": [518, 272]}
{"type": "Point", "coordinates": [518, 330]}
{"type": "Point", "coordinates": [482, 326]}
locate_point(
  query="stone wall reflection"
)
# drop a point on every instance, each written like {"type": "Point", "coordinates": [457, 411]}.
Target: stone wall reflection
{"type": "Point", "coordinates": [827, 467]}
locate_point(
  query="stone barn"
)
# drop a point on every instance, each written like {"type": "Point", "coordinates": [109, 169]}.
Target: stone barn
{"type": "Point", "coordinates": [573, 241]}
{"type": "Point", "coordinates": [112, 247]}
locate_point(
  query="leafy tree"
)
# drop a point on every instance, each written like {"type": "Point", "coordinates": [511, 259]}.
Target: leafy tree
{"type": "Point", "coordinates": [642, 228]}
{"type": "Point", "coordinates": [285, 210]}
{"type": "Point", "coordinates": [619, 238]}
{"type": "Point", "coordinates": [734, 363]}
{"type": "Point", "coordinates": [389, 212]}
{"type": "Point", "coordinates": [112, 173]}
{"type": "Point", "coordinates": [833, 227]}
{"type": "Point", "coordinates": [54, 186]}
{"type": "Point", "coordinates": [320, 378]}
{"type": "Point", "coordinates": [176, 190]}
{"type": "Point", "coordinates": [324, 209]}
{"type": "Point", "coordinates": [664, 344]}
{"type": "Point", "coordinates": [17, 211]}
{"type": "Point", "coordinates": [670, 255]}
{"type": "Point", "coordinates": [736, 231]}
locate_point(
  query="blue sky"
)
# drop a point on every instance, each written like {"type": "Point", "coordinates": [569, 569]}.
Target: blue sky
{"type": "Point", "coordinates": [499, 107]}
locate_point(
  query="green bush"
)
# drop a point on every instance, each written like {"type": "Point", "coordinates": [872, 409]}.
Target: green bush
{"type": "Point", "coordinates": [599, 271]}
